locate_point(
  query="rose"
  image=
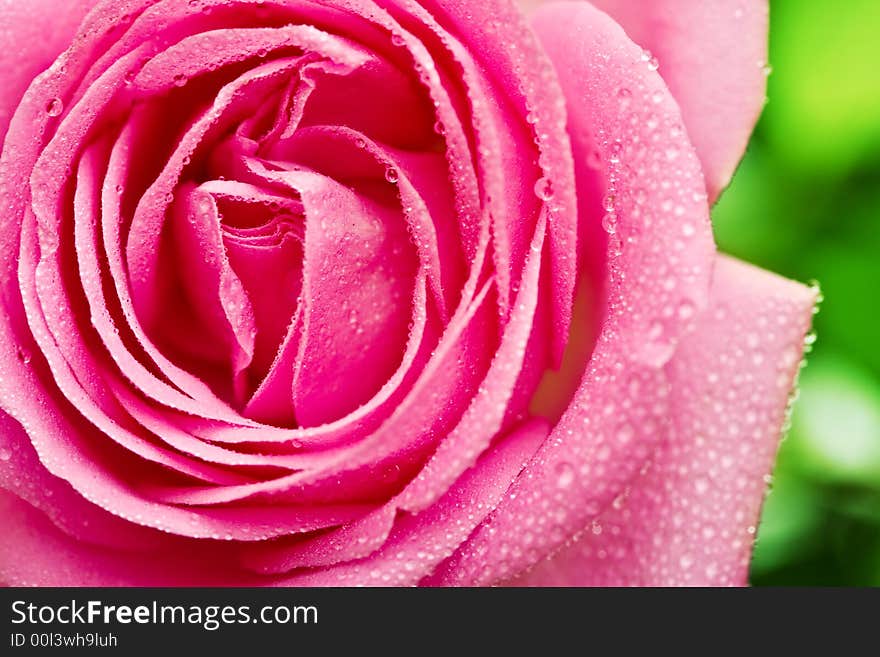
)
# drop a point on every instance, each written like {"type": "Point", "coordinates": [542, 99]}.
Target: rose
{"type": "Point", "coordinates": [338, 292]}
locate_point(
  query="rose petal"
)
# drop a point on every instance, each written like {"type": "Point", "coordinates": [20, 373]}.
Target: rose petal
{"type": "Point", "coordinates": [713, 57]}
{"type": "Point", "coordinates": [22, 474]}
{"type": "Point", "coordinates": [657, 283]}
{"type": "Point", "coordinates": [690, 519]}
{"type": "Point", "coordinates": [356, 300]}
{"type": "Point", "coordinates": [480, 424]}
{"type": "Point", "coordinates": [32, 34]}
{"type": "Point", "coordinates": [517, 65]}
{"type": "Point", "coordinates": [421, 541]}
{"type": "Point", "coordinates": [33, 552]}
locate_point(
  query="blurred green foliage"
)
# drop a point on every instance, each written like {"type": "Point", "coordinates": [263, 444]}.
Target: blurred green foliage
{"type": "Point", "coordinates": [806, 203]}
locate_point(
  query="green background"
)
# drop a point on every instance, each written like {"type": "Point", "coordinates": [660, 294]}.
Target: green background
{"type": "Point", "coordinates": [805, 202]}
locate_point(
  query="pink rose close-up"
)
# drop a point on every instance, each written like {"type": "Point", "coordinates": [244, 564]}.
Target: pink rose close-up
{"type": "Point", "coordinates": [382, 292]}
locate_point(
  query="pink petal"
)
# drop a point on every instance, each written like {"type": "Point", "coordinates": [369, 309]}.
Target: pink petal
{"type": "Point", "coordinates": [418, 542]}
{"type": "Point", "coordinates": [33, 552]}
{"type": "Point", "coordinates": [22, 474]}
{"type": "Point", "coordinates": [525, 78]}
{"type": "Point", "coordinates": [32, 34]}
{"type": "Point", "coordinates": [627, 125]}
{"type": "Point", "coordinates": [356, 300]}
{"type": "Point", "coordinates": [690, 519]}
{"type": "Point", "coordinates": [459, 450]}
{"type": "Point", "coordinates": [713, 57]}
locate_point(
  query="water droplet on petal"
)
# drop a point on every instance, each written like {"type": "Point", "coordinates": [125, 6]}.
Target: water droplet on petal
{"type": "Point", "coordinates": [54, 107]}
{"type": "Point", "coordinates": [616, 149]}
{"type": "Point", "coordinates": [5, 454]}
{"type": "Point", "coordinates": [609, 223]}
{"type": "Point", "coordinates": [564, 475]}
{"type": "Point", "coordinates": [544, 189]}
{"type": "Point", "coordinates": [391, 175]}
{"type": "Point", "coordinates": [648, 57]}
{"type": "Point", "coordinates": [686, 310]}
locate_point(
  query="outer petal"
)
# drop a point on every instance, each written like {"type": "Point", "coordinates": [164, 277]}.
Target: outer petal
{"type": "Point", "coordinates": [659, 265]}
{"type": "Point", "coordinates": [712, 56]}
{"type": "Point", "coordinates": [32, 34]}
{"type": "Point", "coordinates": [690, 519]}
{"type": "Point", "coordinates": [34, 552]}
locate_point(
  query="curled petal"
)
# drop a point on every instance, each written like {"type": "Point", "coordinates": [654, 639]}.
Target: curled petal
{"type": "Point", "coordinates": [690, 518]}
{"type": "Point", "coordinates": [629, 128]}
{"type": "Point", "coordinates": [713, 56]}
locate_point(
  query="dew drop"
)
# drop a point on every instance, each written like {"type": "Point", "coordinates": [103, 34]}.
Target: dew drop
{"type": "Point", "coordinates": [54, 107]}
{"type": "Point", "coordinates": [686, 310]}
{"type": "Point", "coordinates": [609, 223]}
{"type": "Point", "coordinates": [564, 475]}
{"type": "Point", "coordinates": [658, 346]}
{"type": "Point", "coordinates": [391, 175]}
{"type": "Point", "coordinates": [810, 339]}
{"type": "Point", "coordinates": [616, 149]}
{"type": "Point", "coordinates": [397, 40]}
{"type": "Point", "coordinates": [5, 454]}
{"type": "Point", "coordinates": [625, 433]}
{"type": "Point", "coordinates": [179, 80]}
{"type": "Point", "coordinates": [544, 189]}
{"type": "Point", "coordinates": [615, 246]}
{"type": "Point", "coordinates": [648, 57]}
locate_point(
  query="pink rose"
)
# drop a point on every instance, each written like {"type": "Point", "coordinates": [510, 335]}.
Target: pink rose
{"type": "Point", "coordinates": [351, 292]}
